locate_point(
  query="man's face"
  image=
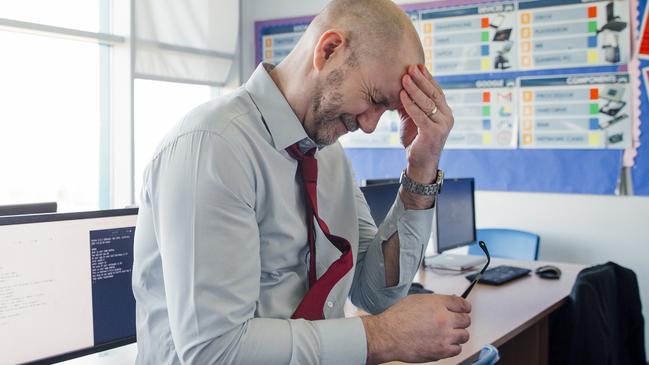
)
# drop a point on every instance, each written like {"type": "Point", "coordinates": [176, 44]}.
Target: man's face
{"type": "Point", "coordinates": [352, 95]}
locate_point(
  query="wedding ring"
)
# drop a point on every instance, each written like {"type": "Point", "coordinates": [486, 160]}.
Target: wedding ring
{"type": "Point", "coordinates": [432, 112]}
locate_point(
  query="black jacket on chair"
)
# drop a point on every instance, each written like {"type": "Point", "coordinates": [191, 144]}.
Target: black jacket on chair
{"type": "Point", "coordinates": [602, 322]}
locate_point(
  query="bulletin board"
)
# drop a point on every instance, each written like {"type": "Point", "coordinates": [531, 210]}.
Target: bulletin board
{"type": "Point", "coordinates": [544, 93]}
{"type": "Point", "coordinates": [640, 170]}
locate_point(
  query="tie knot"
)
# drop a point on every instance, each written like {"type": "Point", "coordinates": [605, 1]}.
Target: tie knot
{"type": "Point", "coordinates": [308, 163]}
{"type": "Point", "coordinates": [296, 152]}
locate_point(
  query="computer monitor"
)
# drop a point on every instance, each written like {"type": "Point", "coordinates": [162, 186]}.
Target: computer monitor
{"type": "Point", "coordinates": [455, 218]}
{"type": "Point", "coordinates": [65, 285]}
{"type": "Point", "coordinates": [610, 12]}
{"type": "Point", "coordinates": [388, 180]}
{"type": "Point", "coordinates": [33, 208]}
{"type": "Point", "coordinates": [380, 198]}
{"type": "Point", "coordinates": [455, 215]}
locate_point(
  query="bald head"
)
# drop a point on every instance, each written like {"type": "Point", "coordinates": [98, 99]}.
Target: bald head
{"type": "Point", "coordinates": [347, 68]}
{"type": "Point", "coordinates": [373, 28]}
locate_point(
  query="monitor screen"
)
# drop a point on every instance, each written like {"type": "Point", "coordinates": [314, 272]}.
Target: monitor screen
{"type": "Point", "coordinates": [33, 208]}
{"type": "Point", "coordinates": [65, 284]}
{"type": "Point", "coordinates": [455, 214]}
{"type": "Point", "coordinates": [380, 198]}
{"type": "Point", "coordinates": [390, 180]}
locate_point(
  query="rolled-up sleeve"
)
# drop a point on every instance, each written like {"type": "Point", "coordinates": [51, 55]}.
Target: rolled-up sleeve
{"type": "Point", "coordinates": [201, 196]}
{"type": "Point", "coordinates": [413, 228]}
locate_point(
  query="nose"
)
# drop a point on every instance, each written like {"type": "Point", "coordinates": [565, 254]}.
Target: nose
{"type": "Point", "coordinates": [370, 119]}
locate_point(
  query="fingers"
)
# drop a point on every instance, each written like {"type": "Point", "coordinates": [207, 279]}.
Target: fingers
{"type": "Point", "coordinates": [452, 350]}
{"type": "Point", "coordinates": [461, 320]}
{"type": "Point", "coordinates": [458, 305]}
{"type": "Point", "coordinates": [428, 96]}
{"type": "Point", "coordinates": [421, 98]}
{"type": "Point", "coordinates": [424, 71]}
{"type": "Point", "coordinates": [459, 337]}
{"type": "Point", "coordinates": [425, 81]}
{"type": "Point", "coordinates": [414, 112]}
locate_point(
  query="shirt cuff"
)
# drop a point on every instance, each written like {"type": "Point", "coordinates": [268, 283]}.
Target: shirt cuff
{"type": "Point", "coordinates": [414, 227]}
{"type": "Point", "coordinates": [342, 341]}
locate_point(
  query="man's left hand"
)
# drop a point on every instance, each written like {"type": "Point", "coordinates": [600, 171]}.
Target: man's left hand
{"type": "Point", "coordinates": [426, 121]}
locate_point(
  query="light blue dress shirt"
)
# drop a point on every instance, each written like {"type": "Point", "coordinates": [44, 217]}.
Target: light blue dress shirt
{"type": "Point", "coordinates": [221, 241]}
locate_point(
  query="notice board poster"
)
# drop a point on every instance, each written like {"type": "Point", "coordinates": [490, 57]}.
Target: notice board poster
{"type": "Point", "coordinates": [502, 65]}
{"type": "Point", "coordinates": [575, 112]}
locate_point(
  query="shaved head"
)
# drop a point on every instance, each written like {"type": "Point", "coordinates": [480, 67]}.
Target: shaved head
{"type": "Point", "coordinates": [347, 68]}
{"type": "Point", "coordinates": [373, 28]}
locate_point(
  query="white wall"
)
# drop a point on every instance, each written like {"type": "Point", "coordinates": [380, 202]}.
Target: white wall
{"type": "Point", "coordinates": [583, 229]}
{"type": "Point", "coordinates": [586, 229]}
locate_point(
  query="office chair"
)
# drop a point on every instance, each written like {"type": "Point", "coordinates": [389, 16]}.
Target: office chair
{"type": "Point", "coordinates": [508, 243]}
{"type": "Point", "coordinates": [488, 356]}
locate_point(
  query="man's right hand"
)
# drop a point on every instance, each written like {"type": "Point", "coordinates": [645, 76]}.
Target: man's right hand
{"type": "Point", "coordinates": [418, 328]}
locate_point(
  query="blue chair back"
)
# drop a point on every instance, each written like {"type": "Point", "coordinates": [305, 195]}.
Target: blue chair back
{"type": "Point", "coordinates": [507, 243]}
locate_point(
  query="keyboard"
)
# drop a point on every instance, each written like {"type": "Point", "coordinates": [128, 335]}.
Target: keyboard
{"type": "Point", "coordinates": [500, 274]}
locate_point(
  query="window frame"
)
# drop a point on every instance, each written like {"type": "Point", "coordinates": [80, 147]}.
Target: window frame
{"type": "Point", "coordinates": [117, 92]}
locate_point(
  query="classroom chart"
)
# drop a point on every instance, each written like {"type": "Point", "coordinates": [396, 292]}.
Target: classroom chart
{"type": "Point", "coordinates": [506, 37]}
{"type": "Point", "coordinates": [278, 42]}
{"type": "Point", "coordinates": [605, 35]}
{"type": "Point", "coordinates": [469, 40]}
{"type": "Point", "coordinates": [561, 34]}
{"type": "Point", "coordinates": [575, 112]}
{"type": "Point", "coordinates": [466, 43]}
{"type": "Point", "coordinates": [485, 113]}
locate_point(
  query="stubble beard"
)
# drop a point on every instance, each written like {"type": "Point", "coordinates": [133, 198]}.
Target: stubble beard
{"type": "Point", "coordinates": [327, 105]}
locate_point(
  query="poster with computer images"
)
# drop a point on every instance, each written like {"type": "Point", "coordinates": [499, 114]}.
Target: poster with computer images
{"type": "Point", "coordinates": [587, 111]}
{"type": "Point", "coordinates": [564, 34]}
{"type": "Point", "coordinates": [485, 113]}
{"type": "Point", "coordinates": [469, 39]}
{"type": "Point", "coordinates": [515, 39]}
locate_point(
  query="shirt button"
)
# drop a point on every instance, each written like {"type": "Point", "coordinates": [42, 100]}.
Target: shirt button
{"type": "Point", "coordinates": [330, 304]}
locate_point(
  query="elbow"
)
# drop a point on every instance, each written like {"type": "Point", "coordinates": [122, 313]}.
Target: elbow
{"type": "Point", "coordinates": [366, 301]}
{"type": "Point", "coordinates": [375, 301]}
{"type": "Point", "coordinates": [221, 350]}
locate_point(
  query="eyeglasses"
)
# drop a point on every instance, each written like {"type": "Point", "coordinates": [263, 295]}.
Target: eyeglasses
{"type": "Point", "coordinates": [483, 246]}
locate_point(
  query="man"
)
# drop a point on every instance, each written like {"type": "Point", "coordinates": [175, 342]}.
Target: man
{"type": "Point", "coordinates": [252, 233]}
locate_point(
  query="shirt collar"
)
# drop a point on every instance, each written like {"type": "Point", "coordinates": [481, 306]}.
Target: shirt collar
{"type": "Point", "coordinates": [282, 123]}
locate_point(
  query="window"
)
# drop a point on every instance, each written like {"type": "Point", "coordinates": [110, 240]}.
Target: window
{"type": "Point", "coordinates": [49, 121]}
{"type": "Point", "coordinates": [78, 120]}
{"type": "Point", "coordinates": [158, 107]}
{"type": "Point", "coordinates": [73, 14]}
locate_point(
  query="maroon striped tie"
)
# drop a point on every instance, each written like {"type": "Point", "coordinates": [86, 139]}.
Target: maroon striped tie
{"type": "Point", "coordinates": [310, 307]}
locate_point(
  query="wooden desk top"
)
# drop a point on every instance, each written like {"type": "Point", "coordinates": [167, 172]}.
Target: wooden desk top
{"type": "Point", "coordinates": [501, 312]}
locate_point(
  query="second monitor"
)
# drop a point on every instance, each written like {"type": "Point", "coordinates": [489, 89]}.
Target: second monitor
{"type": "Point", "coordinates": [454, 222]}
{"type": "Point", "coordinates": [455, 218]}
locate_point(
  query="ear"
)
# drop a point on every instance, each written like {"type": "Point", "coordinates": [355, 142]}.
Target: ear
{"type": "Point", "coordinates": [330, 43]}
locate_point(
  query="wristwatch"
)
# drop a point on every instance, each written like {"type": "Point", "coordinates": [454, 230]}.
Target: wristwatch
{"type": "Point", "coordinates": [422, 189]}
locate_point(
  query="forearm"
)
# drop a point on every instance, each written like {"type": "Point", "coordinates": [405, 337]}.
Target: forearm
{"type": "Point", "coordinates": [389, 260]}
{"type": "Point", "coordinates": [379, 347]}
{"type": "Point", "coordinates": [278, 341]}
{"type": "Point", "coordinates": [391, 247]}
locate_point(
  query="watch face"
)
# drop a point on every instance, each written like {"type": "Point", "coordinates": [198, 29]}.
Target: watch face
{"type": "Point", "coordinates": [440, 178]}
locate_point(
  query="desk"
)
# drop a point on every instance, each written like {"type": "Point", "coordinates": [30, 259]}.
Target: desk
{"type": "Point", "coordinates": [513, 317]}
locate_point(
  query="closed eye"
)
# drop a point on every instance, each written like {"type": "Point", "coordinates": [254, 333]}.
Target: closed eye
{"type": "Point", "coordinates": [383, 102]}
